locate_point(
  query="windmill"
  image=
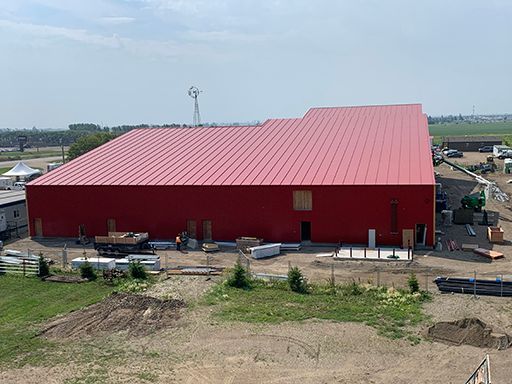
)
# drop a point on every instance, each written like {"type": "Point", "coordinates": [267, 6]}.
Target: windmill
{"type": "Point", "coordinates": [194, 92]}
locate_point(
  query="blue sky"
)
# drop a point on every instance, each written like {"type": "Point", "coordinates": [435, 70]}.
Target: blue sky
{"type": "Point", "coordinates": [132, 61]}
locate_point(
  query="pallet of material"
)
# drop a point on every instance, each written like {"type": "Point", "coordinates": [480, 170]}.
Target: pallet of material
{"type": "Point", "coordinates": [493, 255]}
{"type": "Point", "coordinates": [266, 250]}
{"type": "Point", "coordinates": [469, 247]}
{"type": "Point", "coordinates": [122, 238]}
{"type": "Point", "coordinates": [290, 246]}
{"type": "Point", "coordinates": [210, 247]}
{"type": "Point", "coordinates": [244, 243]}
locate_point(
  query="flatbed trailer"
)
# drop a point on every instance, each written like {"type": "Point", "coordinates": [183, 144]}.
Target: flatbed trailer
{"type": "Point", "coordinates": [123, 243]}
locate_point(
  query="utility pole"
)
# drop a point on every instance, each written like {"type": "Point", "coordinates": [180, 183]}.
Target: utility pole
{"type": "Point", "coordinates": [62, 149]}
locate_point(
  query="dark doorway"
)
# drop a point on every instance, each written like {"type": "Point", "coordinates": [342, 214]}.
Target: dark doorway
{"type": "Point", "coordinates": [421, 234]}
{"type": "Point", "coordinates": [305, 230]}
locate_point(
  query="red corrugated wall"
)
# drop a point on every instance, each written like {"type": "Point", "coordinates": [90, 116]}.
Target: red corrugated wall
{"type": "Point", "coordinates": [340, 213]}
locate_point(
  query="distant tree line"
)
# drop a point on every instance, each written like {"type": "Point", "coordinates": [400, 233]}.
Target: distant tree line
{"type": "Point", "coordinates": [86, 127]}
{"type": "Point", "coordinates": [49, 138]}
{"type": "Point", "coordinates": [445, 119]}
{"type": "Point", "coordinates": [39, 138]}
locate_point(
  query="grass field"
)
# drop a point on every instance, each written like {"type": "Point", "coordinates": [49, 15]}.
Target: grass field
{"type": "Point", "coordinates": [501, 128]}
{"type": "Point", "coordinates": [17, 155]}
{"type": "Point", "coordinates": [27, 302]}
{"type": "Point", "coordinates": [389, 313]}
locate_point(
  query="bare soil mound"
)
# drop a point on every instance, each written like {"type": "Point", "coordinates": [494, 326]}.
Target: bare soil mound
{"type": "Point", "coordinates": [470, 331]}
{"type": "Point", "coordinates": [136, 314]}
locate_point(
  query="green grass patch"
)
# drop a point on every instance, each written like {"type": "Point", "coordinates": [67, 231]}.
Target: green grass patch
{"type": "Point", "coordinates": [389, 311]}
{"type": "Point", "coordinates": [462, 129]}
{"type": "Point", "coordinates": [27, 302]}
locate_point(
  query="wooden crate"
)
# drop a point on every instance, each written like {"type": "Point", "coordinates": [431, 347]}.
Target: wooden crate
{"type": "Point", "coordinates": [495, 234]}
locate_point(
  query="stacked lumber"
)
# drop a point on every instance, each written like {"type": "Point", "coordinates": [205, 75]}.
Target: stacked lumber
{"type": "Point", "coordinates": [244, 243]}
{"type": "Point", "coordinates": [493, 255]}
{"type": "Point", "coordinates": [452, 245]}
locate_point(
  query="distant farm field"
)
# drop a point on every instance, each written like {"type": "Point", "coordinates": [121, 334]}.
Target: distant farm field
{"type": "Point", "coordinates": [501, 128]}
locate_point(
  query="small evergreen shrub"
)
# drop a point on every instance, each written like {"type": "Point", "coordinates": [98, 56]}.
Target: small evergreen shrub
{"type": "Point", "coordinates": [296, 280]}
{"type": "Point", "coordinates": [239, 277]}
{"type": "Point", "coordinates": [137, 271]}
{"type": "Point", "coordinates": [414, 285]}
{"type": "Point", "coordinates": [44, 269]}
{"type": "Point", "coordinates": [87, 271]}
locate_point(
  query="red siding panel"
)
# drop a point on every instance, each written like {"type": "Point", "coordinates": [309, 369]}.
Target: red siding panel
{"type": "Point", "coordinates": [340, 213]}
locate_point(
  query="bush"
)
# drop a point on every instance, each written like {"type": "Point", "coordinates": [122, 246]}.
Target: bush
{"type": "Point", "coordinates": [414, 286]}
{"type": "Point", "coordinates": [239, 277]}
{"type": "Point", "coordinates": [87, 271]}
{"type": "Point", "coordinates": [44, 269]}
{"type": "Point", "coordinates": [137, 271]}
{"type": "Point", "coordinates": [297, 281]}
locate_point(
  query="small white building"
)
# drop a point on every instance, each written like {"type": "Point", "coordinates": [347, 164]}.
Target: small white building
{"type": "Point", "coordinates": [13, 214]}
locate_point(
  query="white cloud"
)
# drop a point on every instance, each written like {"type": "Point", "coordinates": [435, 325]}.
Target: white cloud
{"type": "Point", "coordinates": [116, 20]}
{"type": "Point", "coordinates": [166, 49]}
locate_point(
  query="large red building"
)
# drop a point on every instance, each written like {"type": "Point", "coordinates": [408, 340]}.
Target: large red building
{"type": "Point", "coordinates": [346, 174]}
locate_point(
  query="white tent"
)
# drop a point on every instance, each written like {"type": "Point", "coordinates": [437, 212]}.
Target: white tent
{"type": "Point", "coordinates": [21, 169]}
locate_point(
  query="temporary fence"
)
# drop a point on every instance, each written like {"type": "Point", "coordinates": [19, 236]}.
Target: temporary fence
{"type": "Point", "coordinates": [21, 267]}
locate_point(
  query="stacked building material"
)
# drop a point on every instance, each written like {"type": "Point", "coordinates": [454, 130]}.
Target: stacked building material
{"type": "Point", "coordinates": [470, 230]}
{"type": "Point", "coordinates": [266, 250]}
{"type": "Point", "coordinates": [244, 243]}
{"type": "Point", "coordinates": [496, 287]}
{"type": "Point", "coordinates": [488, 253]}
{"type": "Point", "coordinates": [96, 262]}
{"type": "Point", "coordinates": [452, 245]}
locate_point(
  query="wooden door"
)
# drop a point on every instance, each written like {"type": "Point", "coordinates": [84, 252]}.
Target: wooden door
{"type": "Point", "coordinates": [192, 228]}
{"type": "Point", "coordinates": [207, 229]}
{"type": "Point", "coordinates": [111, 225]}
{"type": "Point", "coordinates": [408, 238]}
{"type": "Point", "coordinates": [38, 227]}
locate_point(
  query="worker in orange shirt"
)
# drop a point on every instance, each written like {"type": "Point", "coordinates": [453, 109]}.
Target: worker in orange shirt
{"type": "Point", "coordinates": [178, 242]}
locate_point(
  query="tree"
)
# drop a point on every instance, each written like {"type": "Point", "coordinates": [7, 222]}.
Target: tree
{"type": "Point", "coordinates": [239, 277]}
{"type": "Point", "coordinates": [86, 143]}
{"type": "Point", "coordinates": [296, 280]}
{"type": "Point", "coordinates": [84, 127]}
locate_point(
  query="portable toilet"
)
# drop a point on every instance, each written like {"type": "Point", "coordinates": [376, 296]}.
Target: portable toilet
{"type": "Point", "coordinates": [507, 166]}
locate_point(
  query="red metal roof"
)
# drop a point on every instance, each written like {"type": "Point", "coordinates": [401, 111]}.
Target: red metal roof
{"type": "Point", "coordinates": [370, 145]}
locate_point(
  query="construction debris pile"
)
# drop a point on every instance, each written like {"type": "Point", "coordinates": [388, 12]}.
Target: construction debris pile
{"type": "Point", "coordinates": [135, 314]}
{"type": "Point", "coordinates": [469, 331]}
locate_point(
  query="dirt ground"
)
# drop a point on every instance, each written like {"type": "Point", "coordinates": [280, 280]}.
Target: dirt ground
{"type": "Point", "coordinates": [199, 349]}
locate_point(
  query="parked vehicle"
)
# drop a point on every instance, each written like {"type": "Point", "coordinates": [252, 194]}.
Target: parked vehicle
{"type": "Point", "coordinates": [118, 243]}
{"type": "Point", "coordinates": [6, 183]}
{"type": "Point", "coordinates": [486, 148]}
{"type": "Point", "coordinates": [455, 153]}
{"type": "Point", "coordinates": [19, 186]}
{"type": "Point", "coordinates": [446, 151]}
{"type": "Point", "coordinates": [505, 155]}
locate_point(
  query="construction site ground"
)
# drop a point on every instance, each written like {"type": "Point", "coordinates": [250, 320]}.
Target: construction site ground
{"type": "Point", "coordinates": [200, 349]}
